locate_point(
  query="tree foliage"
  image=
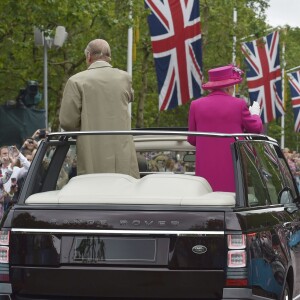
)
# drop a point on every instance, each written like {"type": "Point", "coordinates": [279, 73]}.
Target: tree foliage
{"type": "Point", "coordinates": [21, 60]}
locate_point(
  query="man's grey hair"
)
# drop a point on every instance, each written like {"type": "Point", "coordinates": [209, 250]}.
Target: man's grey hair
{"type": "Point", "coordinates": [99, 50]}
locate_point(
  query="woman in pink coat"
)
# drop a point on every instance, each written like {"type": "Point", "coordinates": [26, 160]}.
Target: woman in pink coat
{"type": "Point", "coordinates": [220, 112]}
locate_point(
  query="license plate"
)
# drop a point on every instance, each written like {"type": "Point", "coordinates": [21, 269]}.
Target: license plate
{"type": "Point", "coordinates": [95, 249]}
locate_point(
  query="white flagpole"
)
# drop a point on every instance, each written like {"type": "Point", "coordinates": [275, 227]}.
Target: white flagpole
{"type": "Point", "coordinates": [234, 40]}
{"type": "Point", "coordinates": [292, 69]}
{"type": "Point", "coordinates": [129, 48]}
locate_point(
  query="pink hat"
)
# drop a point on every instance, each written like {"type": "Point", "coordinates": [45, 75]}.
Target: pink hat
{"type": "Point", "coordinates": [223, 77]}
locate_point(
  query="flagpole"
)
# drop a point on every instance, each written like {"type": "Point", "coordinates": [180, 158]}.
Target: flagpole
{"type": "Point", "coordinates": [283, 94]}
{"type": "Point", "coordinates": [234, 41]}
{"type": "Point", "coordinates": [292, 69]}
{"type": "Point", "coordinates": [129, 48]}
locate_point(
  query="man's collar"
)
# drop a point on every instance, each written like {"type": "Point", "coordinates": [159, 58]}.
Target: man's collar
{"type": "Point", "coordinates": [99, 64]}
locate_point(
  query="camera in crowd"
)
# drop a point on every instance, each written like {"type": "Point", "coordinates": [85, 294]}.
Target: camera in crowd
{"type": "Point", "coordinates": [13, 151]}
{"type": "Point", "coordinates": [13, 183]}
{"type": "Point", "coordinates": [42, 133]}
{"type": "Point", "coordinates": [30, 141]}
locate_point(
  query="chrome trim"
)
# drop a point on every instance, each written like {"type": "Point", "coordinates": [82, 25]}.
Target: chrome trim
{"type": "Point", "coordinates": [104, 231]}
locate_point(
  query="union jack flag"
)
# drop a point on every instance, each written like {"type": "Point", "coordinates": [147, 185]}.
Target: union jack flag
{"type": "Point", "coordinates": [294, 82]}
{"type": "Point", "coordinates": [177, 49]}
{"type": "Point", "coordinates": [264, 75]}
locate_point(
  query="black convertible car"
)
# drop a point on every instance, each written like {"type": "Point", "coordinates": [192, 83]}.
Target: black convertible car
{"type": "Point", "coordinates": [167, 235]}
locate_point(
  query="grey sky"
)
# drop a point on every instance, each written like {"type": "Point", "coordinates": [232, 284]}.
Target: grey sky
{"type": "Point", "coordinates": [282, 12]}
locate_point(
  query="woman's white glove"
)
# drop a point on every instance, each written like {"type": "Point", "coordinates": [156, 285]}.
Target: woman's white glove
{"type": "Point", "coordinates": [254, 108]}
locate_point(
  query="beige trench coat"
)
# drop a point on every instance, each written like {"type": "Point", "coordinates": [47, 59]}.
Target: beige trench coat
{"type": "Point", "coordinates": [97, 99]}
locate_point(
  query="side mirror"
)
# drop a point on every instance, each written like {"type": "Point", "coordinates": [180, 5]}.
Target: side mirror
{"type": "Point", "coordinates": [285, 196]}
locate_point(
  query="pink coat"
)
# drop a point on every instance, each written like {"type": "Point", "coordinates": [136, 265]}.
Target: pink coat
{"type": "Point", "coordinates": [222, 113]}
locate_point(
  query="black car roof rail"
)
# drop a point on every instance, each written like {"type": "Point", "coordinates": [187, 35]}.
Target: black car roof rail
{"type": "Point", "coordinates": [65, 135]}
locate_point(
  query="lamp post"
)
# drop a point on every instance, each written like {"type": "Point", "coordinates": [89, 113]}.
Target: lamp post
{"type": "Point", "coordinates": [41, 39]}
{"type": "Point", "coordinates": [129, 50]}
{"type": "Point", "coordinates": [46, 78]}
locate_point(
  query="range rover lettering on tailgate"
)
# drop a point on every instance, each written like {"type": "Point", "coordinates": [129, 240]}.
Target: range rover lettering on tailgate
{"type": "Point", "coordinates": [167, 235]}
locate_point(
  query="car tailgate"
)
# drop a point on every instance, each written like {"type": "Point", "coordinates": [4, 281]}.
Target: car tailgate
{"type": "Point", "coordinates": [110, 253]}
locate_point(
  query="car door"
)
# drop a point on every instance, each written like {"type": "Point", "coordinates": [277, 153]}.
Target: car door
{"type": "Point", "coordinates": [267, 189]}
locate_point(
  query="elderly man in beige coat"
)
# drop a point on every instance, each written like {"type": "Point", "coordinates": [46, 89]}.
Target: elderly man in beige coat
{"type": "Point", "coordinates": [97, 99]}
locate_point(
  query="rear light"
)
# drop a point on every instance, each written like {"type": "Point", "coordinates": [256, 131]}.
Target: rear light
{"type": "Point", "coordinates": [237, 282]}
{"type": "Point", "coordinates": [4, 237]}
{"type": "Point", "coordinates": [4, 249]}
{"type": "Point", "coordinates": [4, 255]}
{"type": "Point", "coordinates": [236, 259]}
{"type": "Point", "coordinates": [236, 241]}
{"type": "Point", "coordinates": [237, 274]}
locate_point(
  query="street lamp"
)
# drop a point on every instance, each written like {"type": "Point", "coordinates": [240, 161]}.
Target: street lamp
{"type": "Point", "coordinates": [42, 39]}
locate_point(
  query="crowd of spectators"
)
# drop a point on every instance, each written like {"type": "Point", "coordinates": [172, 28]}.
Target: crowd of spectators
{"type": "Point", "coordinates": [293, 159]}
{"type": "Point", "coordinates": [167, 161]}
{"type": "Point", "coordinates": [14, 165]}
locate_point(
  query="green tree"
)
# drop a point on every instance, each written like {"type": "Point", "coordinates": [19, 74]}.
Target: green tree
{"type": "Point", "coordinates": [84, 20]}
{"type": "Point", "coordinates": [21, 60]}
